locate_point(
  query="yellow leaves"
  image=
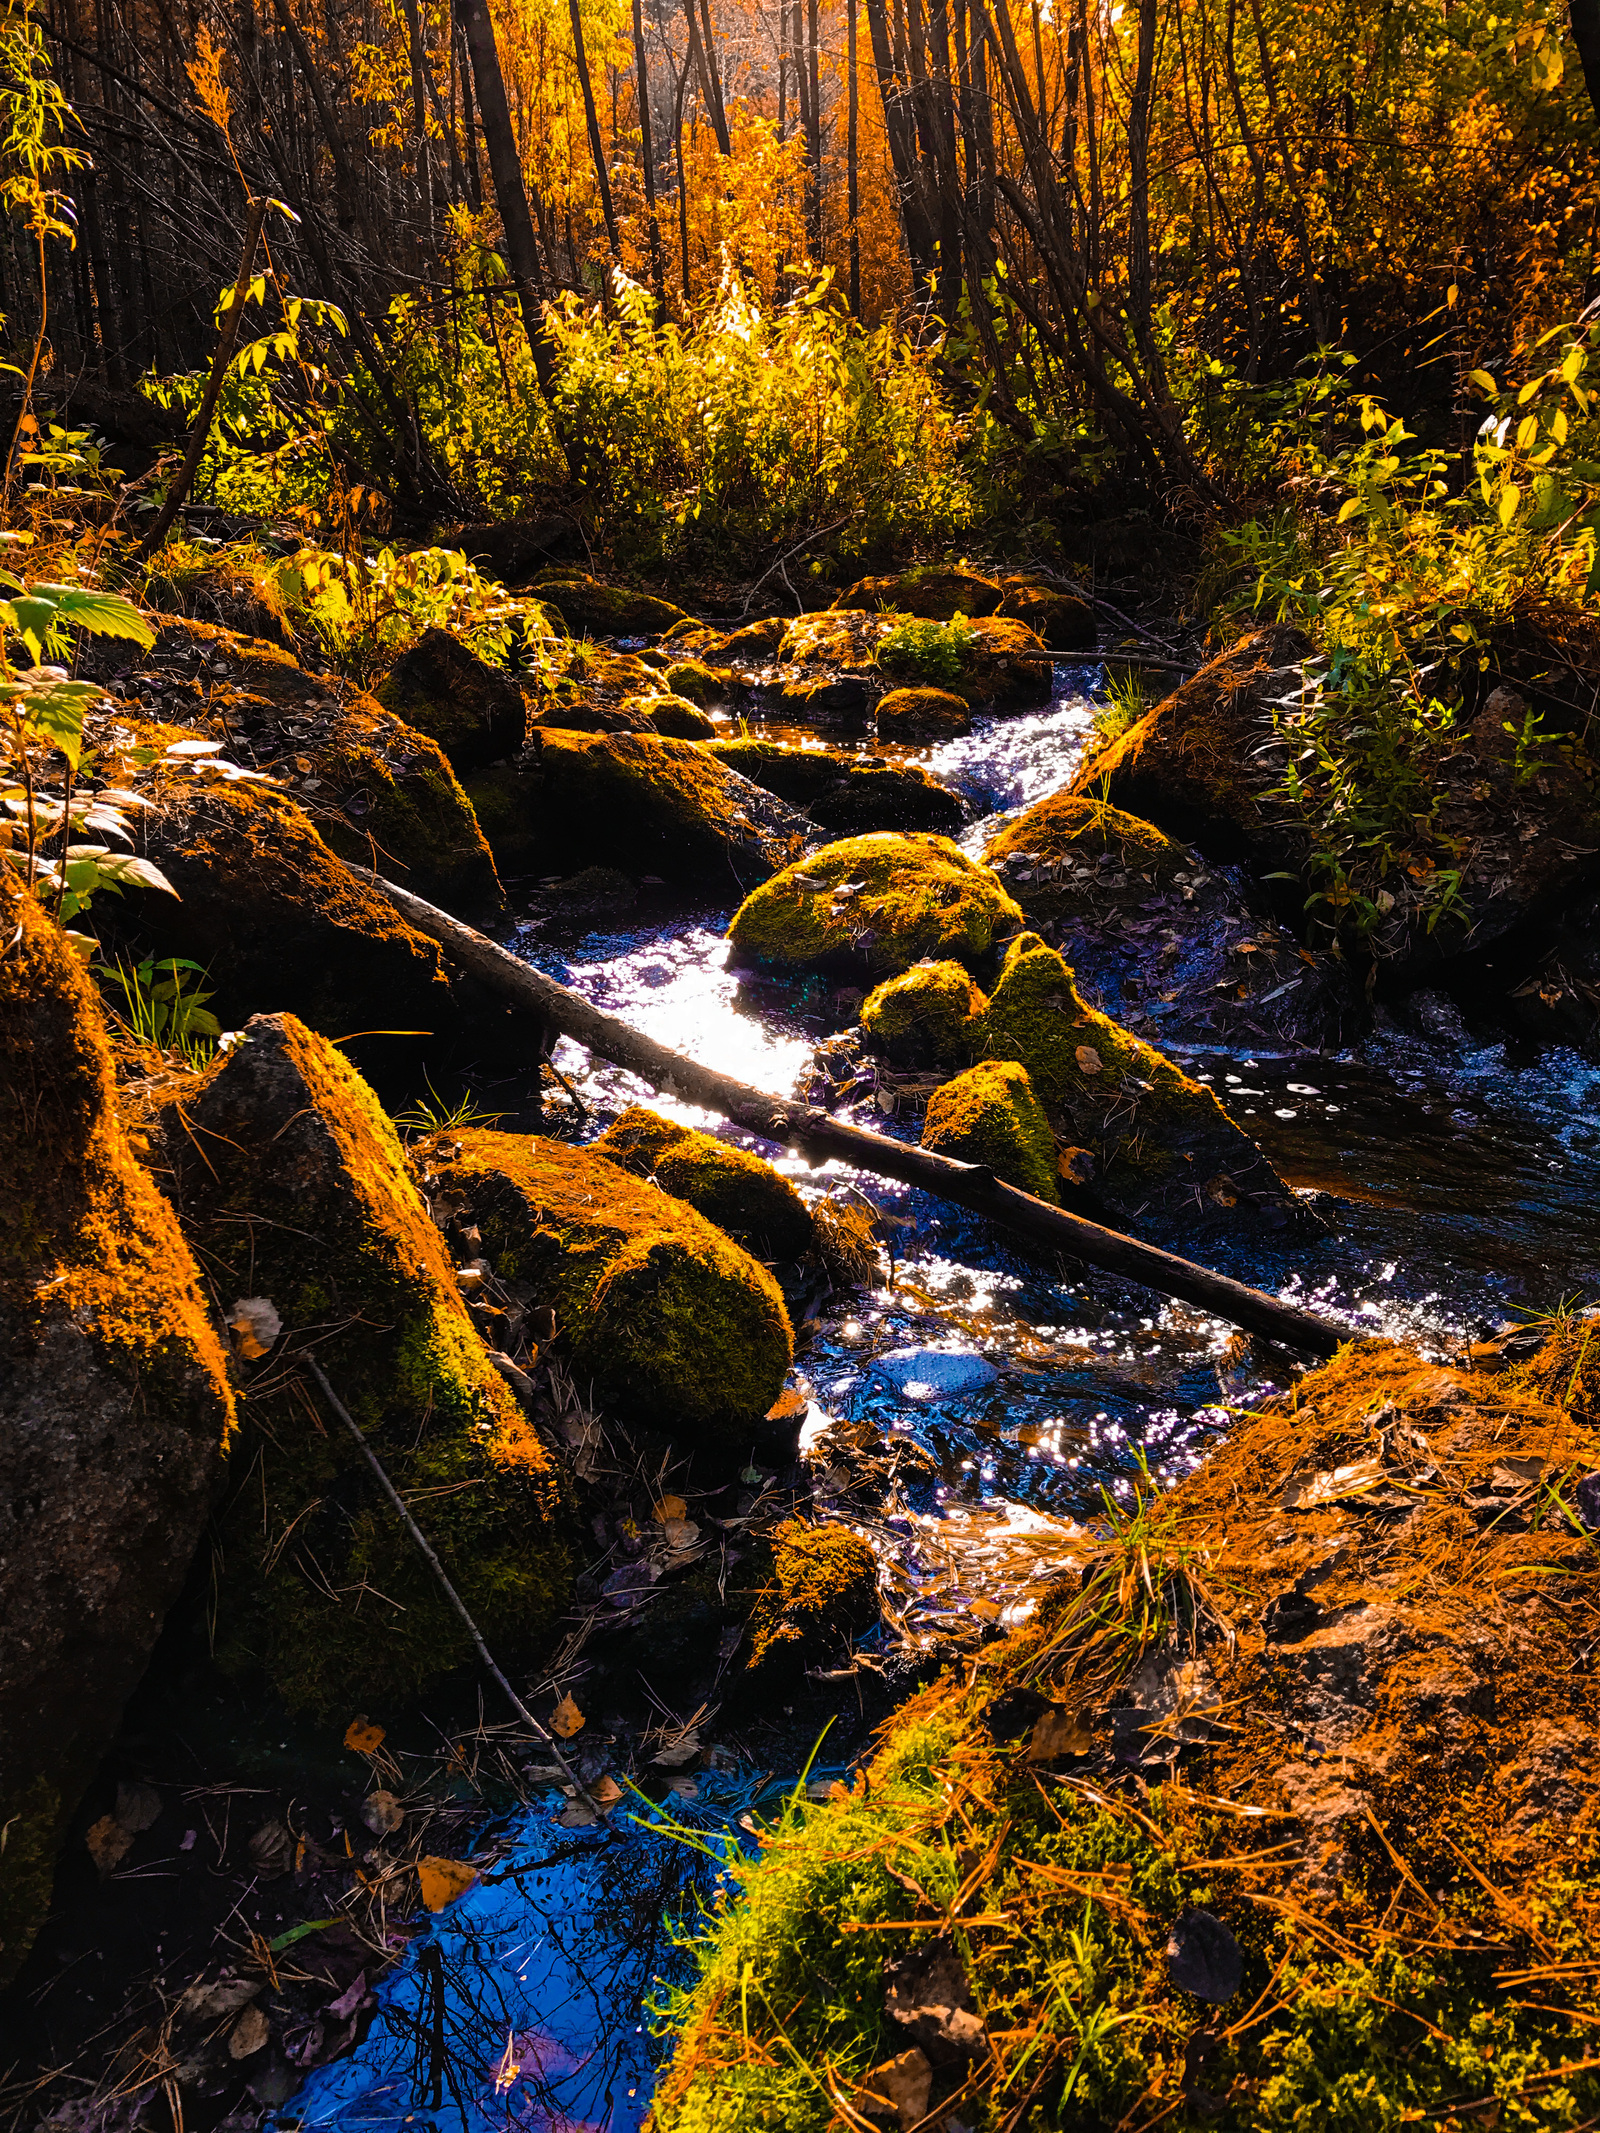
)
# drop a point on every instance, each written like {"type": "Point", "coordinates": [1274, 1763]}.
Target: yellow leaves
{"type": "Point", "coordinates": [1483, 381]}
{"type": "Point", "coordinates": [566, 1719]}
{"type": "Point", "coordinates": [1452, 296]}
{"type": "Point", "coordinates": [363, 1736]}
{"type": "Point", "coordinates": [1527, 432]}
{"type": "Point", "coordinates": [1548, 65]}
{"type": "Point", "coordinates": [1510, 497]}
{"type": "Point", "coordinates": [443, 1880]}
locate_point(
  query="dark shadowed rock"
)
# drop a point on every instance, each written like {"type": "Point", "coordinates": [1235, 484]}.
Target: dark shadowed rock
{"type": "Point", "coordinates": [477, 713]}
{"type": "Point", "coordinates": [1204, 1958]}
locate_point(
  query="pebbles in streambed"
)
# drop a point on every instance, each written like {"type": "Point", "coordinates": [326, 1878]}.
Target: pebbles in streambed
{"type": "Point", "coordinates": [935, 1373]}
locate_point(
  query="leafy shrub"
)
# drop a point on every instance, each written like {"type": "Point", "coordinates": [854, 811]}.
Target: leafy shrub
{"type": "Point", "coordinates": [927, 652]}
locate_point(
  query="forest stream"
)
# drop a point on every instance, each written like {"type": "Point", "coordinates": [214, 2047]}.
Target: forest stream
{"type": "Point", "coordinates": [1454, 1176]}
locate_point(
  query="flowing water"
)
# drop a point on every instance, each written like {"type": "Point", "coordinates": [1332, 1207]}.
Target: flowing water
{"type": "Point", "coordinates": [1455, 1180]}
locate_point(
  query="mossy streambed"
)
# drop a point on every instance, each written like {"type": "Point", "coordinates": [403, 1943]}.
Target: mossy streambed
{"type": "Point", "coordinates": [1452, 1183]}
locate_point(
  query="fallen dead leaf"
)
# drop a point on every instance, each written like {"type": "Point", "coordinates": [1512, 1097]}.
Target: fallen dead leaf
{"type": "Point", "coordinates": [138, 1806]}
{"type": "Point", "coordinates": [443, 1880]}
{"type": "Point", "coordinates": [249, 2033]}
{"type": "Point", "coordinates": [681, 1752]}
{"type": "Point", "coordinates": [789, 1406]}
{"type": "Point", "coordinates": [1058, 1733]}
{"type": "Point", "coordinates": [898, 2089]}
{"type": "Point", "coordinates": [670, 1507]}
{"type": "Point", "coordinates": [108, 1842]}
{"type": "Point", "coordinates": [566, 1719]}
{"type": "Point", "coordinates": [222, 1997]}
{"type": "Point", "coordinates": [605, 1792]}
{"type": "Point", "coordinates": [271, 1849]}
{"type": "Point", "coordinates": [255, 1325]}
{"type": "Point", "coordinates": [1089, 1060]}
{"type": "Point", "coordinates": [364, 1735]}
{"type": "Point", "coordinates": [680, 1532]}
{"type": "Point", "coordinates": [382, 1813]}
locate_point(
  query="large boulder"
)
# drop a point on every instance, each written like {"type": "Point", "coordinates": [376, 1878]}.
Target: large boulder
{"type": "Point", "coordinates": [114, 1407]}
{"type": "Point", "coordinates": [876, 904]}
{"type": "Point", "coordinates": [922, 715]}
{"type": "Point", "coordinates": [990, 1115]}
{"type": "Point", "coordinates": [477, 713]}
{"type": "Point", "coordinates": [929, 1016]}
{"type": "Point", "coordinates": [291, 1184]}
{"type": "Point", "coordinates": [585, 602]}
{"type": "Point", "coordinates": [673, 1325]}
{"type": "Point", "coordinates": [1062, 620]}
{"type": "Point", "coordinates": [934, 593]}
{"type": "Point", "coordinates": [278, 921]}
{"type": "Point", "coordinates": [1157, 938]}
{"type": "Point", "coordinates": [379, 791]}
{"type": "Point", "coordinates": [736, 1190]}
{"type": "Point", "coordinates": [1163, 1142]}
{"type": "Point", "coordinates": [648, 804]}
{"type": "Point", "coordinates": [987, 659]}
{"type": "Point", "coordinates": [847, 793]}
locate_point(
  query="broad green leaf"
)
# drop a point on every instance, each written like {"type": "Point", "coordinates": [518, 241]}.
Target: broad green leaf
{"type": "Point", "coordinates": [102, 614]}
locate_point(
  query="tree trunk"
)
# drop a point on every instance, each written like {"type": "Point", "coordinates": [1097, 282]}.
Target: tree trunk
{"type": "Point", "coordinates": [852, 172]}
{"type": "Point", "coordinates": [647, 152]}
{"type": "Point", "coordinates": [1585, 18]}
{"type": "Point", "coordinates": [596, 145]}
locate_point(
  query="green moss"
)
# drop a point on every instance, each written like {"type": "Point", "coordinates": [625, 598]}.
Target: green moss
{"type": "Point", "coordinates": [651, 805]}
{"type": "Point", "coordinates": [505, 804]}
{"type": "Point", "coordinates": [926, 654]}
{"type": "Point", "coordinates": [699, 683]}
{"type": "Point", "coordinates": [990, 1115]}
{"type": "Point", "coordinates": [584, 603]}
{"type": "Point", "coordinates": [1061, 840]}
{"type": "Point", "coordinates": [842, 638]}
{"type": "Point", "coordinates": [823, 1590]}
{"type": "Point", "coordinates": [922, 715]}
{"type": "Point", "coordinates": [476, 713]}
{"type": "Point", "coordinates": [676, 717]}
{"type": "Point", "coordinates": [880, 902]}
{"type": "Point", "coordinates": [729, 1186]}
{"type": "Point", "coordinates": [934, 592]}
{"type": "Point", "coordinates": [35, 1817]}
{"type": "Point", "coordinates": [291, 1180]}
{"type": "Point", "coordinates": [672, 1324]}
{"type": "Point", "coordinates": [928, 1016]}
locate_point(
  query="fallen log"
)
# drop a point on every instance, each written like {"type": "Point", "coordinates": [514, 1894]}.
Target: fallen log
{"type": "Point", "coordinates": [814, 1131]}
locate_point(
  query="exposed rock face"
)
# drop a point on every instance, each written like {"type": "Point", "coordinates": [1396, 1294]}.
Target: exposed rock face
{"type": "Point", "coordinates": [990, 1115]}
{"type": "Point", "coordinates": [476, 713]}
{"type": "Point", "coordinates": [114, 1408]}
{"type": "Point", "coordinates": [586, 603]}
{"type": "Point", "coordinates": [1158, 939]}
{"type": "Point", "coordinates": [673, 1325]}
{"type": "Point", "coordinates": [651, 805]}
{"type": "Point", "coordinates": [736, 1190]}
{"type": "Point", "coordinates": [379, 791]}
{"type": "Point", "coordinates": [1061, 619]}
{"type": "Point", "coordinates": [279, 922]}
{"type": "Point", "coordinates": [846, 793]}
{"type": "Point", "coordinates": [879, 904]}
{"type": "Point", "coordinates": [290, 1181]}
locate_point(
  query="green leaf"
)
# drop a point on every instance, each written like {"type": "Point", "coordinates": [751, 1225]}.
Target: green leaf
{"type": "Point", "coordinates": [102, 614]}
{"type": "Point", "coordinates": [311, 1925]}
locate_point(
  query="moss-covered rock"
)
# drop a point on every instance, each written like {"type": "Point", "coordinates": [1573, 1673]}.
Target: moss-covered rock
{"type": "Point", "coordinates": [693, 679]}
{"type": "Point", "coordinates": [114, 1407]}
{"type": "Point", "coordinates": [922, 715]}
{"type": "Point", "coordinates": [823, 1591]}
{"type": "Point", "coordinates": [1062, 620]}
{"type": "Point", "coordinates": [505, 800]}
{"type": "Point", "coordinates": [986, 659]}
{"type": "Point", "coordinates": [652, 805]}
{"type": "Point", "coordinates": [990, 1115]}
{"type": "Point", "coordinates": [593, 715]}
{"type": "Point", "coordinates": [754, 644]}
{"type": "Point", "coordinates": [1157, 938]}
{"type": "Point", "coordinates": [1459, 1814]}
{"type": "Point", "coordinates": [476, 713]}
{"type": "Point", "coordinates": [929, 1016]}
{"type": "Point", "coordinates": [847, 793]}
{"type": "Point", "coordinates": [736, 1190]}
{"type": "Point", "coordinates": [807, 697]}
{"type": "Point", "coordinates": [878, 904]}
{"type": "Point", "coordinates": [278, 921]}
{"type": "Point", "coordinates": [1164, 1142]}
{"type": "Point", "coordinates": [934, 593]}
{"type": "Point", "coordinates": [586, 603]}
{"type": "Point", "coordinates": [675, 1326]}
{"type": "Point", "coordinates": [677, 718]}
{"type": "Point", "coordinates": [843, 639]}
{"type": "Point", "coordinates": [379, 791]}
{"type": "Point", "coordinates": [291, 1184]}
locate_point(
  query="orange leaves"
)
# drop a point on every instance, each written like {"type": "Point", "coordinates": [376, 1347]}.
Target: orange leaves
{"type": "Point", "coordinates": [443, 1880]}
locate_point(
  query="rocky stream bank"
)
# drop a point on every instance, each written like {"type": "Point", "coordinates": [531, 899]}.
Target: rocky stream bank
{"type": "Point", "coordinates": [1312, 1725]}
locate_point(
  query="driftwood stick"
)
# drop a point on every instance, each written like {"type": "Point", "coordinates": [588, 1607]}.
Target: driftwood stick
{"type": "Point", "coordinates": [805, 1126]}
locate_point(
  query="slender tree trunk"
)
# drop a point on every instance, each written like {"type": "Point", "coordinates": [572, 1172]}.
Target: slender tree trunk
{"type": "Point", "coordinates": [1585, 18]}
{"type": "Point", "coordinates": [505, 168]}
{"type": "Point", "coordinates": [683, 187]}
{"type": "Point", "coordinates": [704, 63]}
{"type": "Point", "coordinates": [596, 145]}
{"type": "Point", "coordinates": [852, 172]}
{"type": "Point", "coordinates": [719, 116]}
{"type": "Point", "coordinates": [783, 67]}
{"type": "Point", "coordinates": [647, 152]}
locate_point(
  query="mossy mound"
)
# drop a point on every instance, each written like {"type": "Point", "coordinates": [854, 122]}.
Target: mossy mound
{"type": "Point", "coordinates": [676, 717]}
{"type": "Point", "coordinates": [934, 593]}
{"type": "Point", "coordinates": [990, 1115]}
{"type": "Point", "coordinates": [586, 603]}
{"type": "Point", "coordinates": [729, 1186]}
{"type": "Point", "coordinates": [1064, 845]}
{"type": "Point", "coordinates": [754, 644]}
{"type": "Point", "coordinates": [114, 1407]}
{"type": "Point", "coordinates": [847, 793]}
{"type": "Point", "coordinates": [823, 1591]}
{"type": "Point", "coordinates": [652, 805]}
{"type": "Point", "coordinates": [675, 1326]}
{"type": "Point", "coordinates": [1164, 1142]}
{"type": "Point", "coordinates": [583, 715]}
{"type": "Point", "coordinates": [922, 715]}
{"type": "Point", "coordinates": [279, 922]}
{"type": "Point", "coordinates": [844, 639]}
{"type": "Point", "coordinates": [1061, 620]}
{"type": "Point", "coordinates": [1566, 1370]}
{"type": "Point", "coordinates": [379, 791]}
{"type": "Point", "coordinates": [1339, 1776]}
{"type": "Point", "coordinates": [289, 1181]}
{"type": "Point", "coordinates": [929, 1016]}
{"type": "Point", "coordinates": [692, 679]}
{"type": "Point", "coordinates": [477, 713]}
{"type": "Point", "coordinates": [879, 904]}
